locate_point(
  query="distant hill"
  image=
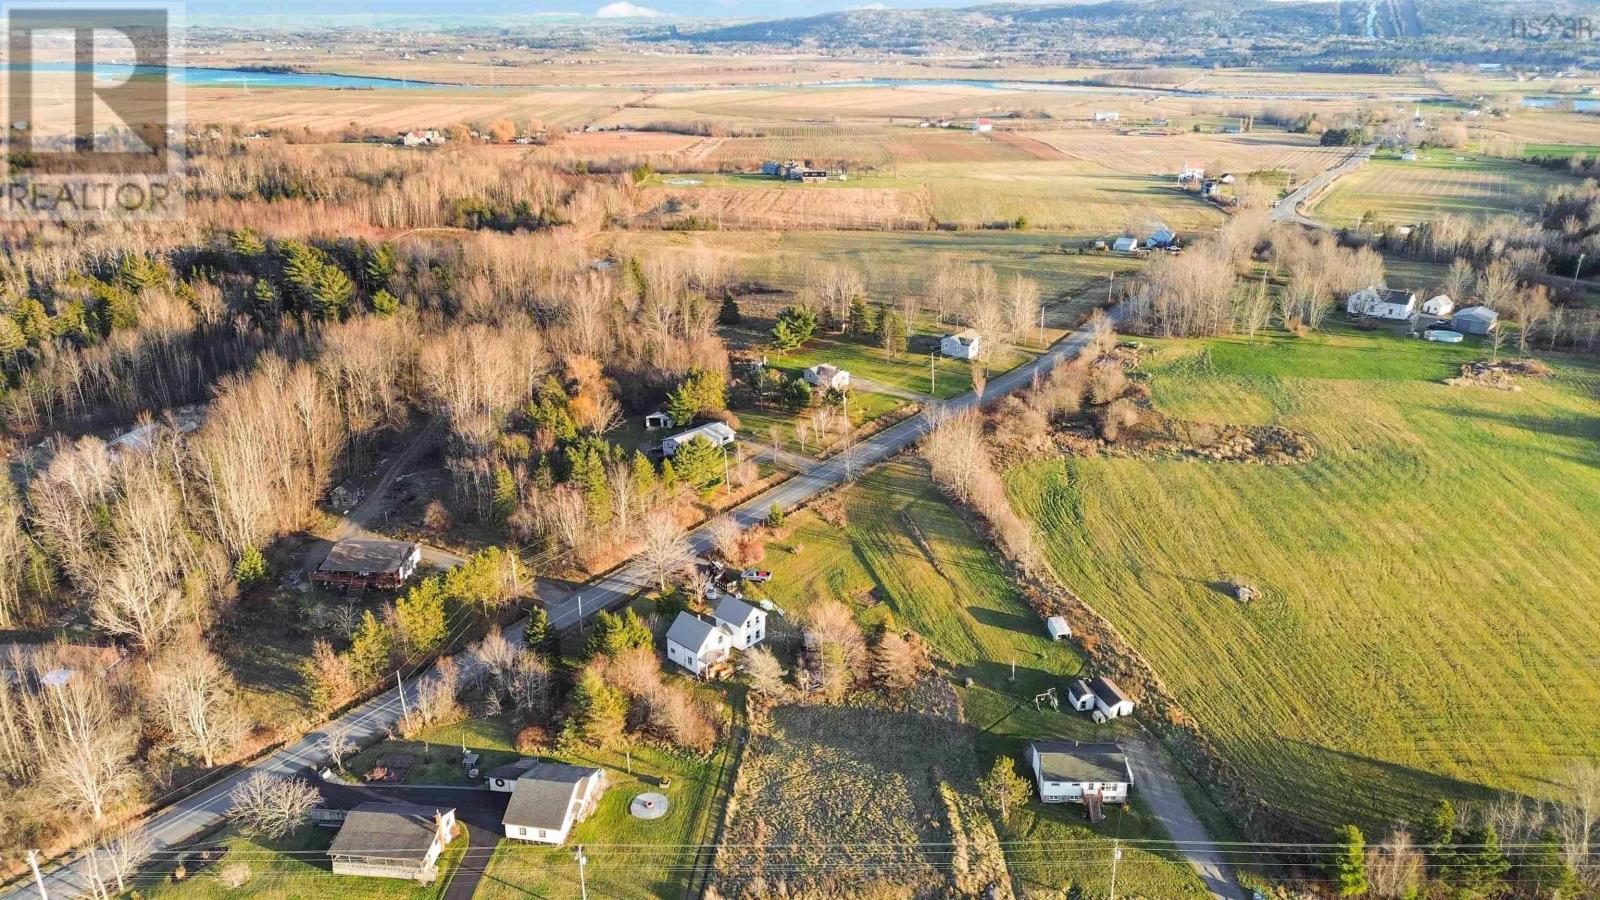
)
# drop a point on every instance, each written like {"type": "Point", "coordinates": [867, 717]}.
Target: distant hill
{"type": "Point", "coordinates": [1352, 34]}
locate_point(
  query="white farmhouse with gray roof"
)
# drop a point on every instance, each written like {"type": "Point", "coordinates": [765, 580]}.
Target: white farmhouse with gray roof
{"type": "Point", "coordinates": [696, 644]}
{"type": "Point", "coordinates": [747, 623]}
{"type": "Point", "coordinates": [1073, 772]}
{"type": "Point", "coordinates": [549, 798]}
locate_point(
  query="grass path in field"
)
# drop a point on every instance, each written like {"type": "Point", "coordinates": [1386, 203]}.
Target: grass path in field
{"type": "Point", "coordinates": [1428, 623]}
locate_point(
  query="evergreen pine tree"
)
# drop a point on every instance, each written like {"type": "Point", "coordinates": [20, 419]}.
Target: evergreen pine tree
{"type": "Point", "coordinates": [892, 332]}
{"type": "Point", "coordinates": [420, 615]}
{"type": "Point", "coordinates": [384, 303]}
{"type": "Point", "coordinates": [505, 493]}
{"type": "Point", "coordinates": [860, 321]}
{"type": "Point", "coordinates": [1546, 870]}
{"type": "Point", "coordinates": [730, 313]}
{"type": "Point", "coordinates": [599, 714]}
{"type": "Point", "coordinates": [644, 477]}
{"type": "Point", "coordinates": [1347, 862]}
{"type": "Point", "coordinates": [371, 646]}
{"type": "Point", "coordinates": [1480, 865]}
{"type": "Point", "coordinates": [536, 635]}
{"type": "Point", "coordinates": [332, 294]}
{"type": "Point", "coordinates": [380, 267]}
{"type": "Point", "coordinates": [794, 326]}
{"type": "Point", "coordinates": [245, 242]}
{"type": "Point", "coordinates": [251, 567]}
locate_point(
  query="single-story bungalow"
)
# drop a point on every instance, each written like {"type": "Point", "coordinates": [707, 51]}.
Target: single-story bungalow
{"type": "Point", "coordinates": [1058, 628]}
{"type": "Point", "coordinates": [1079, 696]}
{"type": "Point", "coordinates": [825, 376]}
{"type": "Point", "coordinates": [963, 345]}
{"type": "Point", "coordinates": [1440, 305]}
{"type": "Point", "coordinates": [369, 563]}
{"type": "Point", "coordinates": [1125, 244]}
{"type": "Point", "coordinates": [719, 434]}
{"type": "Point", "coordinates": [1109, 700]}
{"type": "Point", "coordinates": [392, 840]}
{"type": "Point", "coordinates": [1074, 772]}
{"type": "Point", "coordinates": [549, 798]}
{"type": "Point", "coordinates": [698, 645]}
{"type": "Point", "coordinates": [1475, 320]}
{"type": "Point", "coordinates": [1380, 302]}
{"type": "Point", "coordinates": [746, 622]}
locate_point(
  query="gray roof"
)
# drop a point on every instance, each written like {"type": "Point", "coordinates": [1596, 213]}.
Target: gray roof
{"type": "Point", "coordinates": [1077, 690]}
{"type": "Point", "coordinates": [1395, 295]}
{"type": "Point", "coordinates": [691, 631]}
{"type": "Point", "coordinates": [1107, 691]}
{"type": "Point", "coordinates": [513, 769]}
{"type": "Point", "coordinates": [734, 611]}
{"type": "Point", "coordinates": [1480, 313]}
{"type": "Point", "coordinates": [544, 794]}
{"type": "Point", "coordinates": [398, 832]}
{"type": "Point", "coordinates": [1073, 761]}
{"type": "Point", "coordinates": [365, 557]}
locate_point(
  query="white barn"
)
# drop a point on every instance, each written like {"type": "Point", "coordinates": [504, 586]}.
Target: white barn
{"type": "Point", "coordinates": [549, 799]}
{"type": "Point", "coordinates": [1073, 772]}
{"type": "Point", "coordinates": [1380, 302]}
{"type": "Point", "coordinates": [1109, 700]}
{"type": "Point", "coordinates": [719, 434]}
{"type": "Point", "coordinates": [1440, 305]}
{"type": "Point", "coordinates": [696, 644]}
{"type": "Point", "coordinates": [964, 345]}
{"type": "Point", "coordinates": [746, 623]}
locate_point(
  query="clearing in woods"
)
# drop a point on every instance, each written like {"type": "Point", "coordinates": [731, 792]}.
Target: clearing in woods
{"type": "Point", "coordinates": [1440, 181]}
{"type": "Point", "coordinates": [1425, 627]}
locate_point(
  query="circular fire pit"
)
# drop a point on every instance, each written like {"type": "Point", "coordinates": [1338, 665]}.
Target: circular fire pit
{"type": "Point", "coordinates": [648, 806]}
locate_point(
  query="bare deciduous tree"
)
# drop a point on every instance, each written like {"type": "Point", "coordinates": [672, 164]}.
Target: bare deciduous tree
{"type": "Point", "coordinates": [90, 744]}
{"type": "Point", "coordinates": [192, 693]}
{"type": "Point", "coordinates": [663, 551]}
{"type": "Point", "coordinates": [272, 806]}
{"type": "Point", "coordinates": [725, 538]}
{"type": "Point", "coordinates": [765, 672]}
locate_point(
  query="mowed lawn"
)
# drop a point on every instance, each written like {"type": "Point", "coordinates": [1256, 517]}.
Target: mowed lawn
{"type": "Point", "coordinates": [1427, 625]}
{"type": "Point", "coordinates": [1405, 192]}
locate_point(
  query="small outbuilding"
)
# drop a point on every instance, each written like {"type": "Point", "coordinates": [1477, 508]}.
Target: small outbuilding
{"type": "Point", "coordinates": [369, 563]}
{"type": "Point", "coordinates": [825, 377]}
{"type": "Point", "coordinates": [963, 345]}
{"type": "Point", "coordinates": [1058, 628]}
{"type": "Point", "coordinates": [698, 645]}
{"type": "Point", "coordinates": [718, 433]}
{"type": "Point", "coordinates": [549, 798]}
{"type": "Point", "coordinates": [1440, 305]}
{"type": "Point", "coordinates": [745, 622]}
{"type": "Point", "coordinates": [1074, 772]}
{"type": "Point", "coordinates": [1079, 697]}
{"type": "Point", "coordinates": [658, 420]}
{"type": "Point", "coordinates": [392, 840]}
{"type": "Point", "coordinates": [1161, 239]}
{"type": "Point", "coordinates": [1475, 320]}
{"type": "Point", "coordinates": [983, 125]}
{"type": "Point", "coordinates": [1109, 700]}
{"type": "Point", "coordinates": [1125, 244]}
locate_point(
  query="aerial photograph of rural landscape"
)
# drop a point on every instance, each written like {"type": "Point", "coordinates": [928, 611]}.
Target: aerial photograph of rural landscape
{"type": "Point", "coordinates": [810, 451]}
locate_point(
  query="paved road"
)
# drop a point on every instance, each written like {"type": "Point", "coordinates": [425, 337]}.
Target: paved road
{"type": "Point", "coordinates": [1156, 787]}
{"type": "Point", "coordinates": [186, 819]}
{"type": "Point", "coordinates": [1288, 208]}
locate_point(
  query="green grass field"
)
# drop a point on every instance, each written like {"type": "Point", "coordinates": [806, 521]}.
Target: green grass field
{"type": "Point", "coordinates": [1426, 627]}
{"type": "Point", "coordinates": [1070, 196]}
{"type": "Point", "coordinates": [1406, 192]}
{"type": "Point", "coordinates": [755, 424]}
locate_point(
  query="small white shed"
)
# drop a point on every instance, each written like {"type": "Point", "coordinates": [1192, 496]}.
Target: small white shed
{"type": "Point", "coordinates": [658, 420]}
{"type": "Point", "coordinates": [1125, 244]}
{"type": "Point", "coordinates": [1058, 628]}
{"type": "Point", "coordinates": [1440, 305]}
{"type": "Point", "coordinates": [1109, 700]}
{"type": "Point", "coordinates": [1079, 697]}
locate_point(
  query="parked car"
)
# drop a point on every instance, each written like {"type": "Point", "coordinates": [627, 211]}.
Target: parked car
{"type": "Point", "coordinates": [756, 575]}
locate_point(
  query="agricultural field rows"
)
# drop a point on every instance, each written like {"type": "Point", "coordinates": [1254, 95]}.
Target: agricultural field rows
{"type": "Point", "coordinates": [1404, 192]}
{"type": "Point", "coordinates": [1424, 628]}
{"type": "Point", "coordinates": [1149, 155]}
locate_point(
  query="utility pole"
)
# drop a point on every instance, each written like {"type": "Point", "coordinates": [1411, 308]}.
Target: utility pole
{"type": "Point", "coordinates": [726, 481]}
{"type": "Point", "coordinates": [933, 356]}
{"type": "Point", "coordinates": [1116, 857]}
{"type": "Point", "coordinates": [38, 879]}
{"type": "Point", "coordinates": [580, 614]}
{"type": "Point", "coordinates": [1111, 281]}
{"type": "Point", "coordinates": [583, 884]}
{"type": "Point", "coordinates": [401, 687]}
{"type": "Point", "coordinates": [1577, 268]}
